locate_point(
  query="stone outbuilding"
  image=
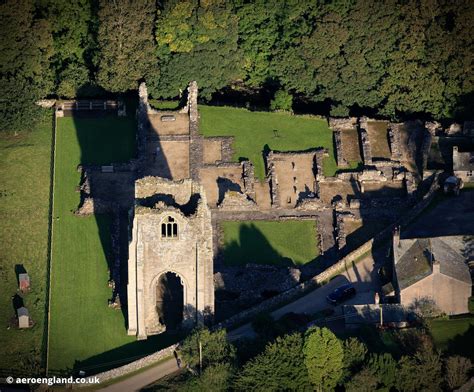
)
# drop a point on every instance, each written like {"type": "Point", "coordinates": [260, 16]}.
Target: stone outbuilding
{"type": "Point", "coordinates": [170, 267]}
{"type": "Point", "coordinates": [23, 317]}
{"type": "Point", "coordinates": [432, 268]}
{"type": "Point", "coordinates": [463, 164]}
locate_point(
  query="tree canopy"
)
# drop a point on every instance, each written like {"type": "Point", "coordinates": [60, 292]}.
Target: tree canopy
{"type": "Point", "coordinates": [323, 357]}
{"type": "Point", "coordinates": [392, 58]}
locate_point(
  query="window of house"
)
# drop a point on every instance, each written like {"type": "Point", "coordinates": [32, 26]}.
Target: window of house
{"type": "Point", "coordinates": [469, 173]}
{"type": "Point", "coordinates": [169, 228]}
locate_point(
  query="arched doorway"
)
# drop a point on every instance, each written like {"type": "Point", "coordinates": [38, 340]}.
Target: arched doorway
{"type": "Point", "coordinates": [169, 300]}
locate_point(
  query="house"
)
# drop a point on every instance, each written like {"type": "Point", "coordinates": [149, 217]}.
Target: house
{"type": "Point", "coordinates": [463, 165]}
{"type": "Point", "coordinates": [432, 268]}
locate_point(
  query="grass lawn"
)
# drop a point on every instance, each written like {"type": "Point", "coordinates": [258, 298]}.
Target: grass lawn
{"type": "Point", "coordinates": [269, 242]}
{"type": "Point", "coordinates": [82, 326]}
{"type": "Point", "coordinates": [454, 336]}
{"type": "Point", "coordinates": [254, 130]}
{"type": "Point", "coordinates": [24, 206]}
{"type": "Point", "coordinates": [164, 105]}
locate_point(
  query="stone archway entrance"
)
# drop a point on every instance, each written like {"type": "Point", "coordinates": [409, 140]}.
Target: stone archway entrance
{"type": "Point", "coordinates": [170, 300]}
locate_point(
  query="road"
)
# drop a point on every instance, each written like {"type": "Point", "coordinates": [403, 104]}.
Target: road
{"type": "Point", "coordinates": [141, 380]}
{"type": "Point", "coordinates": [362, 275]}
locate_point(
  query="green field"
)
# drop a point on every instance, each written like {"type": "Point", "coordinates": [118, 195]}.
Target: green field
{"type": "Point", "coordinates": [24, 206]}
{"type": "Point", "coordinates": [254, 130]}
{"type": "Point", "coordinates": [454, 336]}
{"type": "Point", "coordinates": [269, 242]}
{"type": "Point", "coordinates": [81, 324]}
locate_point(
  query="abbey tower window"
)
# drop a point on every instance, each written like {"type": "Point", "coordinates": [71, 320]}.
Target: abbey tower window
{"type": "Point", "coordinates": [169, 228]}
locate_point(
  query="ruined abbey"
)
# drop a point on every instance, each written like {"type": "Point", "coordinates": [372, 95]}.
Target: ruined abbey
{"type": "Point", "coordinates": [182, 185]}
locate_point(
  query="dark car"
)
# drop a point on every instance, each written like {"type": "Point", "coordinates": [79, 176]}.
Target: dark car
{"type": "Point", "coordinates": [341, 294]}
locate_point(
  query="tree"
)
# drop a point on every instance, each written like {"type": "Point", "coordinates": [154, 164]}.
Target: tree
{"type": "Point", "coordinates": [282, 101]}
{"type": "Point", "coordinates": [196, 41]}
{"type": "Point", "coordinates": [354, 356]}
{"type": "Point", "coordinates": [25, 75]}
{"type": "Point", "coordinates": [279, 367]}
{"type": "Point", "coordinates": [422, 372]}
{"type": "Point", "coordinates": [324, 358]}
{"type": "Point", "coordinates": [126, 45]}
{"type": "Point", "coordinates": [385, 368]}
{"type": "Point", "coordinates": [259, 23]}
{"type": "Point", "coordinates": [215, 348]}
{"type": "Point", "coordinates": [363, 381]}
{"type": "Point", "coordinates": [72, 27]}
{"type": "Point", "coordinates": [457, 371]}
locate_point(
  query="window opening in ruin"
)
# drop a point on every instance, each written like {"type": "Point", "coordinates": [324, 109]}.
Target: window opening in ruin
{"type": "Point", "coordinates": [169, 228]}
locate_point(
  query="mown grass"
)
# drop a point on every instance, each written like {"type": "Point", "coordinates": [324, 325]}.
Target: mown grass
{"type": "Point", "coordinates": [255, 130]}
{"type": "Point", "coordinates": [24, 205]}
{"type": "Point", "coordinates": [455, 336]}
{"type": "Point", "coordinates": [269, 242]}
{"type": "Point", "coordinates": [164, 105]}
{"type": "Point", "coordinates": [81, 324]}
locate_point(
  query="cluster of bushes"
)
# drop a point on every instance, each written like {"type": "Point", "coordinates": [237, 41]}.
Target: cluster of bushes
{"type": "Point", "coordinates": [389, 57]}
{"type": "Point", "coordinates": [315, 360]}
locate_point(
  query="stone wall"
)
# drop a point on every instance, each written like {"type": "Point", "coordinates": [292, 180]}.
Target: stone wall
{"type": "Point", "coordinates": [196, 145]}
{"type": "Point", "coordinates": [394, 135]}
{"type": "Point", "coordinates": [149, 186]}
{"type": "Point", "coordinates": [364, 138]}
{"type": "Point", "coordinates": [133, 366]}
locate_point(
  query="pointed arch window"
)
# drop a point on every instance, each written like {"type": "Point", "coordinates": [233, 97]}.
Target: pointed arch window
{"type": "Point", "coordinates": [169, 228]}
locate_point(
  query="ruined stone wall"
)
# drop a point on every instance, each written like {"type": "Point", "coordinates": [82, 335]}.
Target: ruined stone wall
{"type": "Point", "coordinates": [364, 138]}
{"type": "Point", "coordinates": [189, 255]}
{"type": "Point", "coordinates": [341, 161]}
{"type": "Point", "coordinates": [195, 147]}
{"type": "Point", "coordinates": [394, 136]}
{"type": "Point", "coordinates": [181, 190]}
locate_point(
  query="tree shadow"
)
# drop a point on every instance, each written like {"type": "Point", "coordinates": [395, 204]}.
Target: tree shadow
{"type": "Point", "coordinates": [112, 156]}
{"type": "Point", "coordinates": [253, 247]}
{"type": "Point", "coordinates": [462, 344]}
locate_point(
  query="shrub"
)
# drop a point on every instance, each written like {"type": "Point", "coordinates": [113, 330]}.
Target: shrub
{"type": "Point", "coordinates": [470, 305]}
{"type": "Point", "coordinates": [339, 111]}
{"type": "Point", "coordinates": [457, 370]}
{"type": "Point", "coordinates": [282, 101]}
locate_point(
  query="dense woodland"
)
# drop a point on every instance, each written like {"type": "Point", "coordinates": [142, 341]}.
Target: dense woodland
{"type": "Point", "coordinates": [392, 58]}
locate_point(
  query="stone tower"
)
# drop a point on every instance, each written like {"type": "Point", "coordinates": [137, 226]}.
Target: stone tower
{"type": "Point", "coordinates": [170, 267]}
